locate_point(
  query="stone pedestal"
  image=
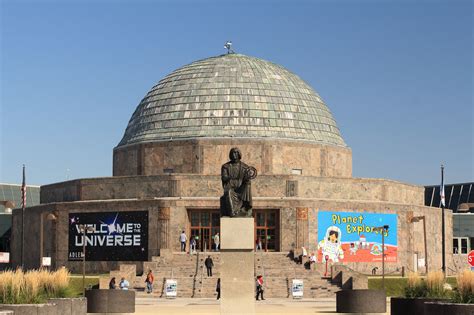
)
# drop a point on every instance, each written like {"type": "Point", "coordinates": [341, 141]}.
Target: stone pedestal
{"type": "Point", "coordinates": [237, 266]}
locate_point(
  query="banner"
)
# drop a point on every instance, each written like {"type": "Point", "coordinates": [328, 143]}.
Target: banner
{"type": "Point", "coordinates": [110, 236]}
{"type": "Point", "coordinates": [351, 237]}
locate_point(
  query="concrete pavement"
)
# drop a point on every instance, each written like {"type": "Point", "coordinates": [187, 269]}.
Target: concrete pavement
{"type": "Point", "coordinates": [189, 306]}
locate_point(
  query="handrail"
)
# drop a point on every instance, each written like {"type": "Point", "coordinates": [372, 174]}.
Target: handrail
{"type": "Point", "coordinates": [196, 270]}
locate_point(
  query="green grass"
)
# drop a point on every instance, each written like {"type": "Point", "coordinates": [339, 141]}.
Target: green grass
{"type": "Point", "coordinates": [395, 286]}
{"type": "Point", "coordinates": [75, 284]}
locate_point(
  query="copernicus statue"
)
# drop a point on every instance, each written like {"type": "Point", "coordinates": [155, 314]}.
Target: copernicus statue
{"type": "Point", "coordinates": [236, 177]}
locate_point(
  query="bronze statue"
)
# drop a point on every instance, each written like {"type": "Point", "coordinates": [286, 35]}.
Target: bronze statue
{"type": "Point", "coordinates": [236, 177]}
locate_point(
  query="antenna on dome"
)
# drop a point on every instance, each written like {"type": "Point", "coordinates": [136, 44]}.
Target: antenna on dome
{"type": "Point", "coordinates": [228, 46]}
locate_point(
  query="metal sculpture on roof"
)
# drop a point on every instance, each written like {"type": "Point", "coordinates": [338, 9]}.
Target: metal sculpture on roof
{"type": "Point", "coordinates": [236, 180]}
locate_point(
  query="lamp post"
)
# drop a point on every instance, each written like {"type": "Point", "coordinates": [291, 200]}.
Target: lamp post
{"type": "Point", "coordinates": [382, 230]}
{"type": "Point", "coordinates": [84, 228]}
{"type": "Point", "coordinates": [49, 217]}
{"type": "Point", "coordinates": [418, 219]}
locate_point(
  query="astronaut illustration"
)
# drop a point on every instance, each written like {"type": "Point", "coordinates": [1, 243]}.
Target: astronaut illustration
{"type": "Point", "coordinates": [331, 245]}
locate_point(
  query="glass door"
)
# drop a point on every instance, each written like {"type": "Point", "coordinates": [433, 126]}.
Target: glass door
{"type": "Point", "coordinates": [267, 229]}
{"type": "Point", "coordinates": [204, 225]}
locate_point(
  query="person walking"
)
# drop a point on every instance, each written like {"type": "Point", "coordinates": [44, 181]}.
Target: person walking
{"type": "Point", "coordinates": [259, 284]}
{"type": "Point", "coordinates": [218, 288]}
{"type": "Point", "coordinates": [112, 284]}
{"type": "Point", "coordinates": [183, 238]}
{"type": "Point", "coordinates": [216, 241]}
{"type": "Point", "coordinates": [209, 264]}
{"type": "Point", "coordinates": [149, 282]}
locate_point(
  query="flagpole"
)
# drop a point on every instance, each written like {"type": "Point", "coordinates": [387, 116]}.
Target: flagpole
{"type": "Point", "coordinates": [23, 199]}
{"type": "Point", "coordinates": [443, 250]}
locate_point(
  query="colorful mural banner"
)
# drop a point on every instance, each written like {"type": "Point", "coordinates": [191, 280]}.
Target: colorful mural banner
{"type": "Point", "coordinates": [352, 237]}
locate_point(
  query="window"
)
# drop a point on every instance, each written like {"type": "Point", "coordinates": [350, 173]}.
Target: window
{"type": "Point", "coordinates": [461, 245]}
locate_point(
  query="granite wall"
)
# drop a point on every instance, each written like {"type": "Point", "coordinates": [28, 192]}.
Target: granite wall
{"type": "Point", "coordinates": [169, 216]}
{"type": "Point", "coordinates": [205, 156]}
{"type": "Point", "coordinates": [189, 185]}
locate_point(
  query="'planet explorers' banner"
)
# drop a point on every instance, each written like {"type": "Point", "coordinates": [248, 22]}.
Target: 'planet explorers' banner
{"type": "Point", "coordinates": [351, 237]}
{"type": "Point", "coordinates": [110, 236]}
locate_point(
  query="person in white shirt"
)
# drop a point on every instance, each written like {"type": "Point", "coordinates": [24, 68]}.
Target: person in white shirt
{"type": "Point", "coordinates": [183, 238]}
{"type": "Point", "coordinates": [124, 284]}
{"type": "Point", "coordinates": [312, 261]}
{"type": "Point", "coordinates": [216, 241]}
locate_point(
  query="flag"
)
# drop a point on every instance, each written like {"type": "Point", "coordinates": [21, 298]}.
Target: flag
{"type": "Point", "coordinates": [23, 190]}
{"type": "Point", "coordinates": [441, 188]}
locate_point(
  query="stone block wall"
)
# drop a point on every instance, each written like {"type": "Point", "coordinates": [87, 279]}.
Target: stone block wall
{"type": "Point", "coordinates": [273, 186]}
{"type": "Point", "coordinates": [205, 156]}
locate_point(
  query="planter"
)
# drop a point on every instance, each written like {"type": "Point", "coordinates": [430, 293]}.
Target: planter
{"type": "Point", "coordinates": [443, 308]}
{"type": "Point", "coordinates": [361, 301]}
{"type": "Point", "coordinates": [110, 301]}
{"type": "Point", "coordinates": [403, 306]}
{"type": "Point", "coordinates": [70, 306]}
{"type": "Point", "coordinates": [31, 309]}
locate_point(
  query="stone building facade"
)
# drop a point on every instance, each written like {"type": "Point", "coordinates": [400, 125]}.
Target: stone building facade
{"type": "Point", "coordinates": [168, 164]}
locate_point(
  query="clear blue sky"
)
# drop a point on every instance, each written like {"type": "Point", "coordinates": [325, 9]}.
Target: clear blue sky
{"type": "Point", "coordinates": [397, 76]}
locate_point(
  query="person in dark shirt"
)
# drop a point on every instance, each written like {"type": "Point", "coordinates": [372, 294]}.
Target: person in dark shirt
{"type": "Point", "coordinates": [209, 264]}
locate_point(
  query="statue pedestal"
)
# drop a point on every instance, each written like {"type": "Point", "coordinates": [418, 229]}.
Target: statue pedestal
{"type": "Point", "coordinates": [237, 266]}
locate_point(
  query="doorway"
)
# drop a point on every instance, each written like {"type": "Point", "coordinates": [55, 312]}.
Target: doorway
{"type": "Point", "coordinates": [266, 228]}
{"type": "Point", "coordinates": [204, 225]}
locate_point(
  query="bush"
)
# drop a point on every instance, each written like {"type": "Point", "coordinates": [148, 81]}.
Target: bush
{"type": "Point", "coordinates": [465, 287]}
{"type": "Point", "coordinates": [415, 286]}
{"type": "Point", "coordinates": [31, 287]}
{"type": "Point", "coordinates": [436, 285]}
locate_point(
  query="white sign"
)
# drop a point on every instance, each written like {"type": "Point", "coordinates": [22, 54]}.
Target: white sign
{"type": "Point", "coordinates": [297, 289]}
{"type": "Point", "coordinates": [421, 262]}
{"type": "Point", "coordinates": [46, 262]}
{"type": "Point", "coordinates": [4, 257]}
{"type": "Point", "coordinates": [171, 288]}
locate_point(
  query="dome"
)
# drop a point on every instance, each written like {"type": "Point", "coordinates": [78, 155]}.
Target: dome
{"type": "Point", "coordinates": [232, 95]}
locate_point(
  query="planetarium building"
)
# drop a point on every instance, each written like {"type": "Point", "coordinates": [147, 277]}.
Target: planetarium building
{"type": "Point", "coordinates": [167, 179]}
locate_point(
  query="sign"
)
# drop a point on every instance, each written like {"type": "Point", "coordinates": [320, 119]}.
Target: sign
{"type": "Point", "coordinates": [470, 258]}
{"type": "Point", "coordinates": [4, 257]}
{"type": "Point", "coordinates": [109, 236]}
{"type": "Point", "coordinates": [46, 261]}
{"type": "Point", "coordinates": [421, 262]}
{"type": "Point", "coordinates": [171, 288]}
{"type": "Point", "coordinates": [353, 237]}
{"type": "Point", "coordinates": [297, 289]}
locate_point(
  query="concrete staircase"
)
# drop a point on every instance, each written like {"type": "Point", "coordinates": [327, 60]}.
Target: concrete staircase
{"type": "Point", "coordinates": [277, 268]}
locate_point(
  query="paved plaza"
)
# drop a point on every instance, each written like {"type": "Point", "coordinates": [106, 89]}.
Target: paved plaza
{"type": "Point", "coordinates": [190, 306]}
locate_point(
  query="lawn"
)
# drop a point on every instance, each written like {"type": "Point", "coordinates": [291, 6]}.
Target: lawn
{"type": "Point", "coordinates": [75, 283]}
{"type": "Point", "coordinates": [395, 286]}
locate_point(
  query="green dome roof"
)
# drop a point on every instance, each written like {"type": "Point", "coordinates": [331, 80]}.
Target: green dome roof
{"type": "Point", "coordinates": [236, 96]}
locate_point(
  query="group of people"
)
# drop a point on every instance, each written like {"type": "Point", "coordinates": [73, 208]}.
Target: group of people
{"type": "Point", "coordinates": [183, 239]}
{"type": "Point", "coordinates": [124, 284]}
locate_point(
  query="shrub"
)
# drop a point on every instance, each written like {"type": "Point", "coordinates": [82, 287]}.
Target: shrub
{"type": "Point", "coordinates": [36, 286]}
{"type": "Point", "coordinates": [465, 287]}
{"type": "Point", "coordinates": [435, 285]}
{"type": "Point", "coordinates": [415, 286]}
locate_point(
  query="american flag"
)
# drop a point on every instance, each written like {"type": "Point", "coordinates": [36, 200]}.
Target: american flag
{"type": "Point", "coordinates": [23, 190]}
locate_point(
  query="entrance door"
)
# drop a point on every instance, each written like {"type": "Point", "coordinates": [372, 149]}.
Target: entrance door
{"type": "Point", "coordinates": [266, 229]}
{"type": "Point", "coordinates": [204, 225]}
